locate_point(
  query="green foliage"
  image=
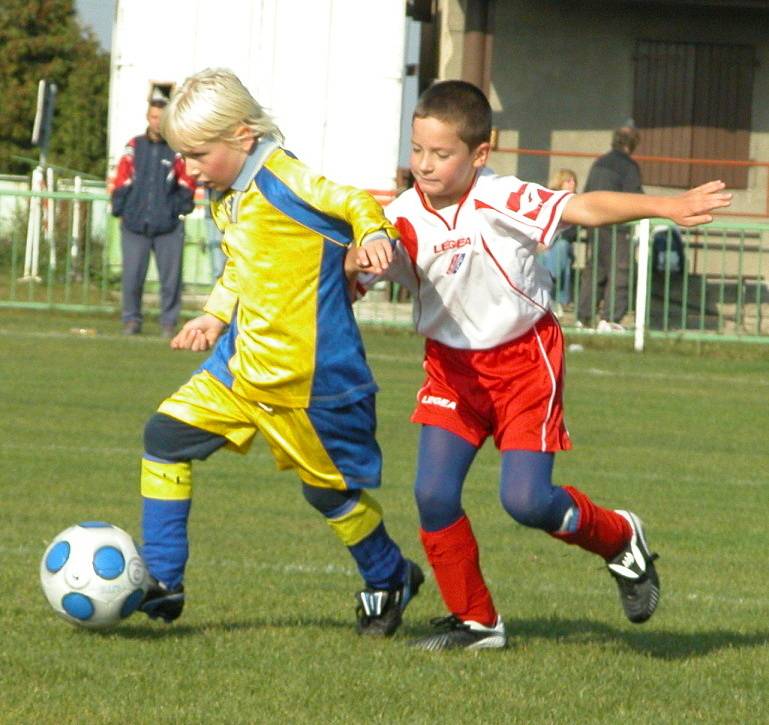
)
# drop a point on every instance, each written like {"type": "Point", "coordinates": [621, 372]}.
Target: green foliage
{"type": "Point", "coordinates": [42, 39]}
{"type": "Point", "coordinates": [267, 635]}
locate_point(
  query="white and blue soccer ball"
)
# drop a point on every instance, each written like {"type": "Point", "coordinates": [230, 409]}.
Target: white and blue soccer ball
{"type": "Point", "coordinates": [93, 575]}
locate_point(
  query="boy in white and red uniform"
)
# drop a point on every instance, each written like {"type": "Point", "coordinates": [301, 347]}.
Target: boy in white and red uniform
{"type": "Point", "coordinates": [494, 353]}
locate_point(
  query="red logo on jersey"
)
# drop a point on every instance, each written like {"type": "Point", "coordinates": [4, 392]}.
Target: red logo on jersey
{"type": "Point", "coordinates": [451, 244]}
{"type": "Point", "coordinates": [528, 201]}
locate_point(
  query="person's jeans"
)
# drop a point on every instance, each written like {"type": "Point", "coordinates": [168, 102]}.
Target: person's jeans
{"type": "Point", "coordinates": [168, 249]}
{"type": "Point", "coordinates": [606, 277]}
{"type": "Point", "coordinates": [558, 261]}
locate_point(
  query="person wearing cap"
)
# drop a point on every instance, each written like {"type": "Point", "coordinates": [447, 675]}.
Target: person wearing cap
{"type": "Point", "coordinates": [607, 271]}
{"type": "Point", "coordinates": [151, 191]}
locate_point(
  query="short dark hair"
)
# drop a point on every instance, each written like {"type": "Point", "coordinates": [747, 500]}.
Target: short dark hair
{"type": "Point", "coordinates": [626, 139]}
{"type": "Point", "coordinates": [462, 104]}
{"type": "Point", "coordinates": [158, 103]}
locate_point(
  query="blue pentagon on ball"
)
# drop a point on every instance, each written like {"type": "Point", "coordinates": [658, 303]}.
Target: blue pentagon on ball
{"type": "Point", "coordinates": [57, 556]}
{"type": "Point", "coordinates": [108, 562]}
{"type": "Point", "coordinates": [77, 605]}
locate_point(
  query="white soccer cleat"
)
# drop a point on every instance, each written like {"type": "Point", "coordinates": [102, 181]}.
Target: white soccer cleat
{"type": "Point", "coordinates": [455, 634]}
{"type": "Point", "coordinates": [605, 326]}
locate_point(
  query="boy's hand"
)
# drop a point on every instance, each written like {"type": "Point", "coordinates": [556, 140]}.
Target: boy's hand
{"type": "Point", "coordinates": [351, 266]}
{"type": "Point", "coordinates": [199, 334]}
{"type": "Point", "coordinates": [694, 206]}
{"type": "Point", "coordinates": [373, 256]}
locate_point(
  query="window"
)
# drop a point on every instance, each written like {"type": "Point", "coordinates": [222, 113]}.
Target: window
{"type": "Point", "coordinates": [161, 91]}
{"type": "Point", "coordinates": [693, 100]}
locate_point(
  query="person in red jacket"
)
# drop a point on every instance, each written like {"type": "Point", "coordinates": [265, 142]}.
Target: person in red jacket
{"type": "Point", "coordinates": [151, 192]}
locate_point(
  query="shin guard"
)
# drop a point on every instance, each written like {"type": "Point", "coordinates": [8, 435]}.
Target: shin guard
{"type": "Point", "coordinates": [166, 498]}
{"type": "Point", "coordinates": [601, 531]}
{"type": "Point", "coordinates": [359, 526]}
{"type": "Point", "coordinates": [453, 555]}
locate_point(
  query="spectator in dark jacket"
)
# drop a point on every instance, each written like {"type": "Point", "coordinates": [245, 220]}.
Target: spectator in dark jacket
{"type": "Point", "coordinates": [151, 192]}
{"type": "Point", "coordinates": [608, 266]}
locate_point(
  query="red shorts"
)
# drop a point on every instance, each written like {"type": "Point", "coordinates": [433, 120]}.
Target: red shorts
{"type": "Point", "coordinates": [512, 391]}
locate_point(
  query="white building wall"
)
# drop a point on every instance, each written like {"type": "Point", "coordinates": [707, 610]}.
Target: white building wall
{"type": "Point", "coordinates": [329, 71]}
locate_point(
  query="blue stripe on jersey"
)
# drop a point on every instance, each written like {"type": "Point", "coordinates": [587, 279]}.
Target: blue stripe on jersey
{"type": "Point", "coordinates": [217, 363]}
{"type": "Point", "coordinates": [340, 361]}
{"type": "Point", "coordinates": [348, 435]}
{"type": "Point", "coordinates": [292, 205]}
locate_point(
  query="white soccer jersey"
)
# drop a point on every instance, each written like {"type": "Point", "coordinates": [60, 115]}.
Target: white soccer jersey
{"type": "Point", "coordinates": [471, 267]}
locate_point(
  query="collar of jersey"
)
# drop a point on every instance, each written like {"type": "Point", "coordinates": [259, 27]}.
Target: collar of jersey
{"type": "Point", "coordinates": [254, 161]}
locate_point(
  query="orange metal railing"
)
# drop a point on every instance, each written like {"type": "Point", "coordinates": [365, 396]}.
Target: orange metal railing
{"type": "Point", "coordinates": [663, 159]}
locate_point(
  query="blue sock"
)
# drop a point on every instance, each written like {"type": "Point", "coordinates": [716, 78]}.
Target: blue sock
{"type": "Point", "coordinates": [166, 548]}
{"type": "Point", "coordinates": [379, 560]}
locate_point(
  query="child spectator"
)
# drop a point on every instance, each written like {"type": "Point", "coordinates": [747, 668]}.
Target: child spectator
{"type": "Point", "coordinates": [558, 258]}
{"type": "Point", "coordinates": [494, 354]}
{"type": "Point", "coordinates": [288, 360]}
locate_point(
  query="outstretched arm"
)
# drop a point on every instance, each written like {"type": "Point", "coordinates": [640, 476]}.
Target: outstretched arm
{"type": "Point", "coordinates": [694, 207]}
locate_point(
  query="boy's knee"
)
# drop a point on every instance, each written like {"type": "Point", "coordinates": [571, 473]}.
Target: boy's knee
{"type": "Point", "coordinates": [327, 500]}
{"type": "Point", "coordinates": [172, 440]}
{"type": "Point", "coordinates": [161, 438]}
{"type": "Point", "coordinates": [352, 515]}
{"type": "Point", "coordinates": [432, 500]}
{"type": "Point", "coordinates": [527, 511]}
{"type": "Point", "coordinates": [436, 509]}
{"type": "Point", "coordinates": [543, 512]}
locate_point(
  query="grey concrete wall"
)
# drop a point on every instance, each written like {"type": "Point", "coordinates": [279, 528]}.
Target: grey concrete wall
{"type": "Point", "coordinates": [563, 73]}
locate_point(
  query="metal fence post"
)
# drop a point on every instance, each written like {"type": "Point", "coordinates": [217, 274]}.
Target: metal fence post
{"type": "Point", "coordinates": [643, 283]}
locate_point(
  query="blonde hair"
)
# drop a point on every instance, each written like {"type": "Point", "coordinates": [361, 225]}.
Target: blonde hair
{"type": "Point", "coordinates": [558, 179]}
{"type": "Point", "coordinates": [210, 106]}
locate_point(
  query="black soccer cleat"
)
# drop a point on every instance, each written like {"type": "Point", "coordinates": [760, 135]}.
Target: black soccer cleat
{"type": "Point", "coordinates": [453, 633]}
{"type": "Point", "coordinates": [633, 569]}
{"type": "Point", "coordinates": [160, 602]}
{"type": "Point", "coordinates": [380, 611]}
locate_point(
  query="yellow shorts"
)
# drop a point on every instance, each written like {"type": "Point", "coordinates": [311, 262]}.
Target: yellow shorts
{"type": "Point", "coordinates": [328, 447]}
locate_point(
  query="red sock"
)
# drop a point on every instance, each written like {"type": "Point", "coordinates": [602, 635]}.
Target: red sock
{"type": "Point", "coordinates": [453, 555]}
{"type": "Point", "coordinates": [602, 531]}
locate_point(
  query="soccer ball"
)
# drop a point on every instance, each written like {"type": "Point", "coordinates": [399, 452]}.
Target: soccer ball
{"type": "Point", "coordinates": [93, 575]}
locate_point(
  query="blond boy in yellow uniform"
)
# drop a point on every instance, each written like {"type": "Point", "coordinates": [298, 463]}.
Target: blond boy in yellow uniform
{"type": "Point", "coordinates": [287, 357]}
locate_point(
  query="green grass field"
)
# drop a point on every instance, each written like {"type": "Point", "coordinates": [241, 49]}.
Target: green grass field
{"type": "Point", "coordinates": [678, 434]}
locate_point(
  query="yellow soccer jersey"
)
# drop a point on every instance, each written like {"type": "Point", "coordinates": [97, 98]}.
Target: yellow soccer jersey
{"type": "Point", "coordinates": [292, 340]}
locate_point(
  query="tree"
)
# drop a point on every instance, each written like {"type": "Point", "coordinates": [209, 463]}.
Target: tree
{"type": "Point", "coordinates": [43, 39]}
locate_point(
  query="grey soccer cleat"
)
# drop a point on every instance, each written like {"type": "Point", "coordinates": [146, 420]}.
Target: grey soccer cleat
{"type": "Point", "coordinates": [453, 633]}
{"type": "Point", "coordinates": [633, 569]}
{"type": "Point", "coordinates": [380, 611]}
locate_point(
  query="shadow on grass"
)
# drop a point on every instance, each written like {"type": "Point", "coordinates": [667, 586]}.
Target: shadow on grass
{"type": "Point", "coordinates": [666, 645]}
{"type": "Point", "coordinates": [662, 644]}
{"type": "Point", "coordinates": [159, 630]}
